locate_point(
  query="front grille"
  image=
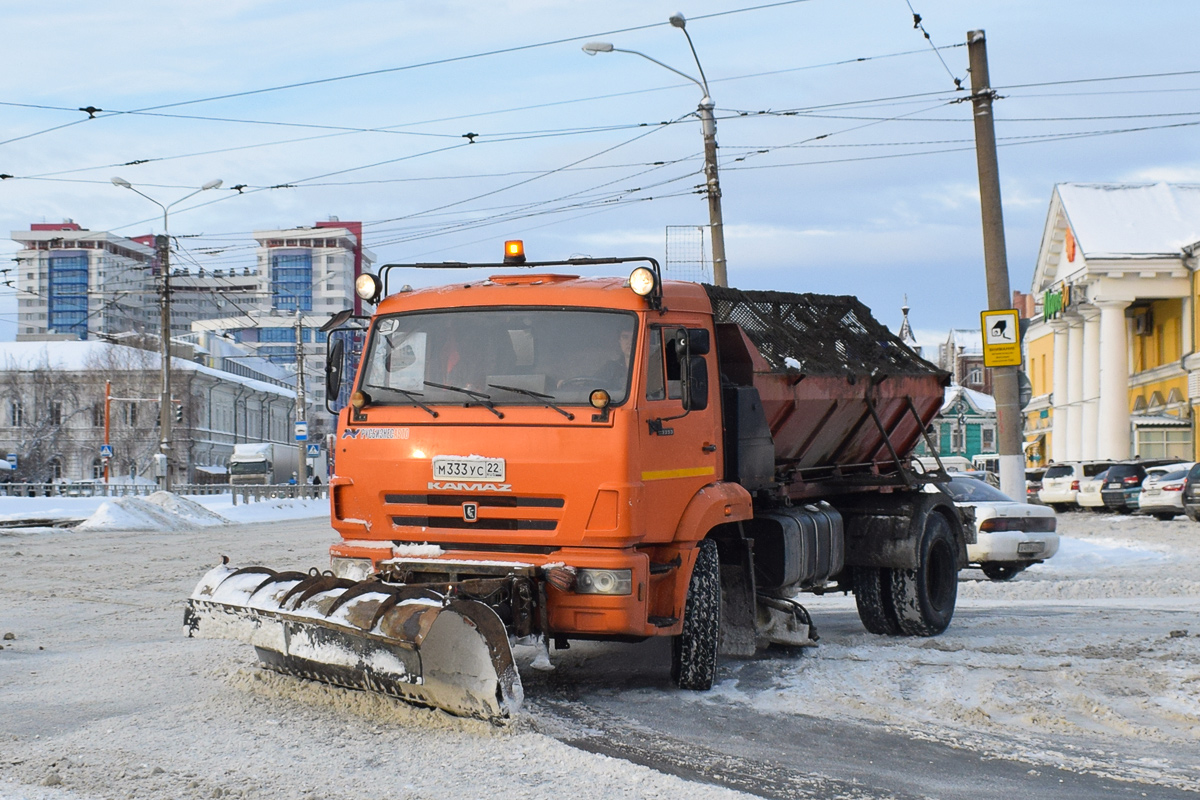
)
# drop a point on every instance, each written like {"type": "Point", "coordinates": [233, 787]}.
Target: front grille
{"type": "Point", "coordinates": [494, 501]}
{"type": "Point", "coordinates": [491, 512]}
{"type": "Point", "coordinates": [482, 523]}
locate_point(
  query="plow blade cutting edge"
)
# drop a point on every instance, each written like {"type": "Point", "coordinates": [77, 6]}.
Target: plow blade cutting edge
{"type": "Point", "coordinates": [405, 641]}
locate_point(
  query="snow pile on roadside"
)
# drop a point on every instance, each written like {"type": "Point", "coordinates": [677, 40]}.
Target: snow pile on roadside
{"type": "Point", "coordinates": [271, 510]}
{"type": "Point", "coordinates": [187, 510]}
{"type": "Point", "coordinates": [160, 511]}
{"type": "Point", "coordinates": [1087, 556]}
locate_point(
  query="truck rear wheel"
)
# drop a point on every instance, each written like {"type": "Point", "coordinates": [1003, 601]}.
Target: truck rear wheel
{"type": "Point", "coordinates": [924, 597]}
{"type": "Point", "coordinates": [694, 652]}
{"type": "Point", "coordinates": [873, 595]}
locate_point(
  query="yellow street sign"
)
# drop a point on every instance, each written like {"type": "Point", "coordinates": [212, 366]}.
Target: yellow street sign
{"type": "Point", "coordinates": [1001, 338]}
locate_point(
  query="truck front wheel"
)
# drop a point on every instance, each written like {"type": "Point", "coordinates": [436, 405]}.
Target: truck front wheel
{"type": "Point", "coordinates": [694, 652]}
{"type": "Point", "coordinates": [873, 595]}
{"type": "Point", "coordinates": [924, 597]}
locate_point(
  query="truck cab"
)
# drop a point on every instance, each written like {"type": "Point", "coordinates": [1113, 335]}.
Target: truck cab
{"type": "Point", "coordinates": [536, 420]}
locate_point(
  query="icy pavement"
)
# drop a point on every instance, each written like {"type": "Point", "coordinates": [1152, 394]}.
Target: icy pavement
{"type": "Point", "coordinates": [1089, 663]}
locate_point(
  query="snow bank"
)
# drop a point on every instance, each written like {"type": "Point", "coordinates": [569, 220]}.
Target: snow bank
{"type": "Point", "coordinates": [161, 511]}
{"type": "Point", "coordinates": [1088, 556]}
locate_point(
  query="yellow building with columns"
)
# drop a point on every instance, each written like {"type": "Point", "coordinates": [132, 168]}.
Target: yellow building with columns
{"type": "Point", "coordinates": [1111, 355]}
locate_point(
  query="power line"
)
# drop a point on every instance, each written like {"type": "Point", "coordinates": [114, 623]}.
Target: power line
{"type": "Point", "coordinates": [919, 25]}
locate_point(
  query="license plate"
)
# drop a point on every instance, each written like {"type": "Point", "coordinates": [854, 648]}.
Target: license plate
{"type": "Point", "coordinates": [1112, 486]}
{"type": "Point", "coordinates": [471, 468]}
{"type": "Point", "coordinates": [1030, 548]}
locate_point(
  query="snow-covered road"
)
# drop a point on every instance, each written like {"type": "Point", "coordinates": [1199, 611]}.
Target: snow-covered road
{"type": "Point", "coordinates": [1080, 676]}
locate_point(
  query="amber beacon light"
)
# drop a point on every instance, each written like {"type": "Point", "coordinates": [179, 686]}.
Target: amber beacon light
{"type": "Point", "coordinates": [514, 252]}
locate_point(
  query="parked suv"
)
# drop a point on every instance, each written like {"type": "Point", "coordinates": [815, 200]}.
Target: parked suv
{"type": "Point", "coordinates": [1122, 486]}
{"type": "Point", "coordinates": [1061, 481]}
{"type": "Point", "coordinates": [1191, 493]}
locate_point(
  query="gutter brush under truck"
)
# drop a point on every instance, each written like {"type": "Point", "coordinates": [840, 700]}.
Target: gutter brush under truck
{"type": "Point", "coordinates": [550, 456]}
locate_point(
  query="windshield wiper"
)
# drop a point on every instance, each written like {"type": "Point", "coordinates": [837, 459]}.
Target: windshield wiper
{"type": "Point", "coordinates": [535, 395]}
{"type": "Point", "coordinates": [412, 396]}
{"type": "Point", "coordinates": [485, 399]}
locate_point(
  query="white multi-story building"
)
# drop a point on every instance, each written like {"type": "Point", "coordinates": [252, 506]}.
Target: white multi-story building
{"type": "Point", "coordinates": [72, 283]}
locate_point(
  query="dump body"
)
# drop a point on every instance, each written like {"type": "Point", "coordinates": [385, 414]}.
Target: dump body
{"type": "Point", "coordinates": [845, 400]}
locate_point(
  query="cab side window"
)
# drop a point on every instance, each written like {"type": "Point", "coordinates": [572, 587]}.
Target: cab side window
{"type": "Point", "coordinates": [664, 367]}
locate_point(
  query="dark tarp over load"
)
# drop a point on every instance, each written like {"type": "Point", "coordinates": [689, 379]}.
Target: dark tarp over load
{"type": "Point", "coordinates": [824, 334]}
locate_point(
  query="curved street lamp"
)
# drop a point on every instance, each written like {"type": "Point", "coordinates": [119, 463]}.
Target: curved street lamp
{"type": "Point", "coordinates": [164, 249]}
{"type": "Point", "coordinates": [708, 126]}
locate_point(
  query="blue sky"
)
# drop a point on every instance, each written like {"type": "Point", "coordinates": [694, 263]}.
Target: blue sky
{"type": "Point", "coordinates": [571, 154]}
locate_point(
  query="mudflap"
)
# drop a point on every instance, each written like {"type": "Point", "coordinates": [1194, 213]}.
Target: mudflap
{"type": "Point", "coordinates": [409, 642]}
{"type": "Point", "coordinates": [785, 623]}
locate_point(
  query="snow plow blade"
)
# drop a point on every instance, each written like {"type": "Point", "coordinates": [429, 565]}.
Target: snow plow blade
{"type": "Point", "coordinates": [407, 641]}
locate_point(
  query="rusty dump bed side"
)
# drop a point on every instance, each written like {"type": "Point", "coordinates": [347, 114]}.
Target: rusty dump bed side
{"type": "Point", "coordinates": [843, 396]}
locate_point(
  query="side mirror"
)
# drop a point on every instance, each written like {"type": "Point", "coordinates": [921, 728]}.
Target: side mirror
{"type": "Point", "coordinates": [695, 384]}
{"type": "Point", "coordinates": [697, 341]}
{"type": "Point", "coordinates": [334, 364]}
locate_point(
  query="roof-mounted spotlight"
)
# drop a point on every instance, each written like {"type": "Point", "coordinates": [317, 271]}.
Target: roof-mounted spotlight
{"type": "Point", "coordinates": [368, 287]}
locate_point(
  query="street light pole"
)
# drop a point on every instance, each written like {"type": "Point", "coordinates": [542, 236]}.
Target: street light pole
{"type": "Point", "coordinates": [708, 126]}
{"type": "Point", "coordinates": [301, 402]}
{"type": "Point", "coordinates": [164, 250]}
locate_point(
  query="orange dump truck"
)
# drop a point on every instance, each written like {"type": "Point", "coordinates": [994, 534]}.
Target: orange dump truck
{"type": "Point", "coordinates": [547, 457]}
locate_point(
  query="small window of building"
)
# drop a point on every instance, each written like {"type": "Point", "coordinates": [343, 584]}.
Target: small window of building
{"type": "Point", "coordinates": [16, 414]}
{"type": "Point", "coordinates": [56, 415]}
{"type": "Point", "coordinates": [988, 439]}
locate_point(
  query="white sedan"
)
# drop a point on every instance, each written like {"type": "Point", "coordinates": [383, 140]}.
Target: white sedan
{"type": "Point", "coordinates": [1010, 536]}
{"type": "Point", "coordinates": [1162, 495]}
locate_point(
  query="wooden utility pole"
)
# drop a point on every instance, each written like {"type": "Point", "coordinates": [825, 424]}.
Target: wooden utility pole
{"type": "Point", "coordinates": [1005, 385]}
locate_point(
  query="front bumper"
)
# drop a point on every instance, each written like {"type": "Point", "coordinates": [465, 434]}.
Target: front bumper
{"type": "Point", "coordinates": [548, 609]}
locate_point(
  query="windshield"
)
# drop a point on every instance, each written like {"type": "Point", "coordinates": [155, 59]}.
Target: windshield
{"type": "Point", "coordinates": [969, 490]}
{"type": "Point", "coordinates": [511, 356]}
{"type": "Point", "coordinates": [247, 467]}
{"type": "Point", "coordinates": [1060, 471]}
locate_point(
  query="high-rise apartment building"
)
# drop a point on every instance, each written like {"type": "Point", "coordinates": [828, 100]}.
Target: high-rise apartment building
{"type": "Point", "coordinates": [75, 283]}
{"type": "Point", "coordinates": [312, 269]}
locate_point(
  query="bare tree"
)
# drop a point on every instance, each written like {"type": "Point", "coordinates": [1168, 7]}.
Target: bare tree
{"type": "Point", "coordinates": [40, 400]}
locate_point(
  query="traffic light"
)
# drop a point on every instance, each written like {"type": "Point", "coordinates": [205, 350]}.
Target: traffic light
{"type": "Point", "coordinates": [178, 411]}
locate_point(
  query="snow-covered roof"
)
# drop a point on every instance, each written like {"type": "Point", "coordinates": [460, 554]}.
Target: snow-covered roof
{"type": "Point", "coordinates": [1132, 219]}
{"type": "Point", "coordinates": [983, 403]}
{"type": "Point", "coordinates": [84, 355]}
{"type": "Point", "coordinates": [969, 339]}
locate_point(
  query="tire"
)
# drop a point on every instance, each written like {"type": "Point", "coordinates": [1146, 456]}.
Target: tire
{"type": "Point", "coordinates": [873, 596]}
{"type": "Point", "coordinates": [694, 652]}
{"type": "Point", "coordinates": [924, 597]}
{"type": "Point", "coordinates": [1164, 517]}
{"type": "Point", "coordinates": [1192, 515]}
{"type": "Point", "coordinates": [1002, 570]}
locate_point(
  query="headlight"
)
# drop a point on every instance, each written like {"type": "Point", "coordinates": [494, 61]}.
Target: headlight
{"type": "Point", "coordinates": [641, 281]}
{"type": "Point", "coordinates": [604, 581]}
{"type": "Point", "coordinates": [354, 569]}
{"type": "Point", "coordinates": [368, 287]}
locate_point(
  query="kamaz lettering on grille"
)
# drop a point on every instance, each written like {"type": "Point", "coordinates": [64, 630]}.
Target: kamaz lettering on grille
{"type": "Point", "coordinates": [469, 487]}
